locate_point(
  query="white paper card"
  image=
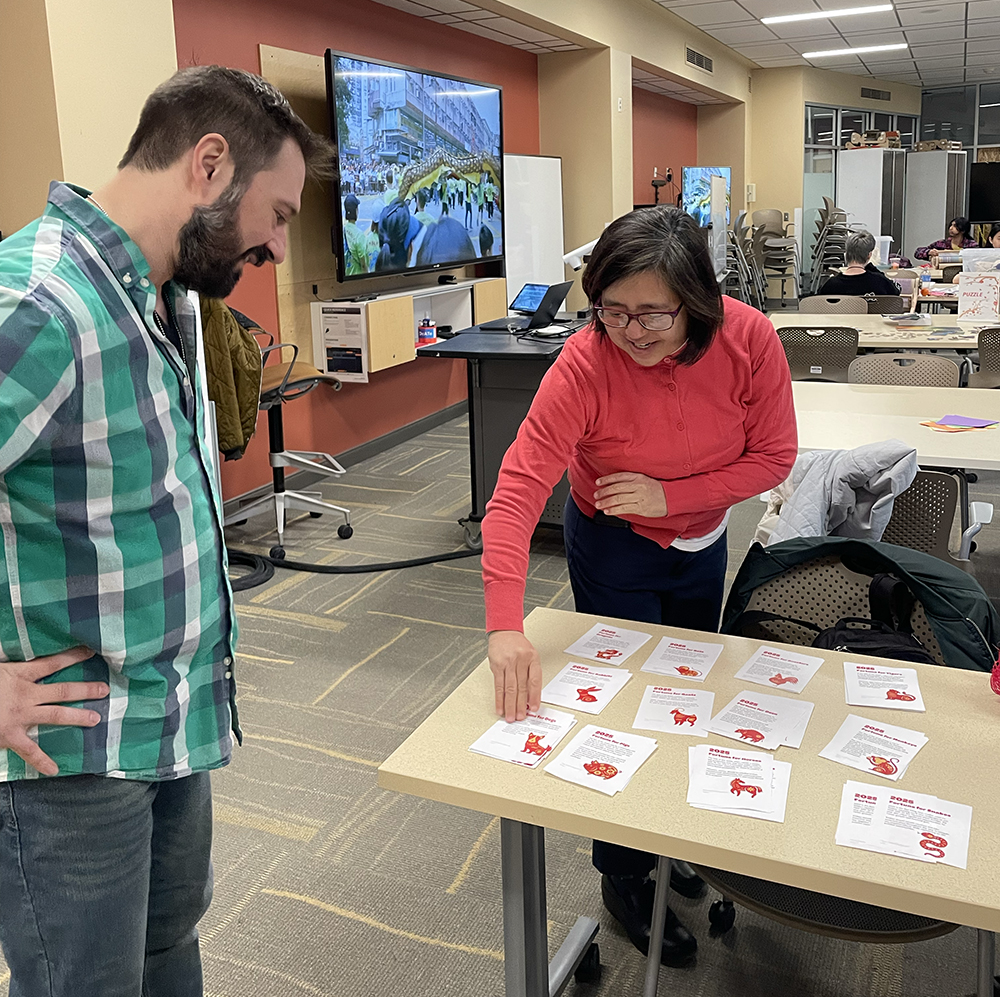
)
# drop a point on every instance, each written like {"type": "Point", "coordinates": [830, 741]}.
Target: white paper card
{"type": "Point", "coordinates": [585, 687]}
{"type": "Point", "coordinates": [780, 778]}
{"type": "Point", "coordinates": [879, 685]}
{"type": "Point", "coordinates": [877, 748]}
{"type": "Point", "coordinates": [675, 711]}
{"type": "Point", "coordinates": [777, 668]}
{"type": "Point", "coordinates": [525, 742]}
{"type": "Point", "coordinates": [601, 759]}
{"type": "Point", "coordinates": [607, 644]}
{"type": "Point", "coordinates": [724, 777]}
{"type": "Point", "coordinates": [761, 720]}
{"type": "Point", "coordinates": [686, 659]}
{"type": "Point", "coordinates": [978, 297]}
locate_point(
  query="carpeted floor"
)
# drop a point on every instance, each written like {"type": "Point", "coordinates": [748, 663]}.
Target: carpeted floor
{"type": "Point", "coordinates": [327, 885]}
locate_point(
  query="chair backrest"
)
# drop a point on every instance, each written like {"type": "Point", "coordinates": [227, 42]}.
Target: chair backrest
{"type": "Point", "coordinates": [886, 304]}
{"type": "Point", "coordinates": [770, 218]}
{"type": "Point", "coordinates": [989, 350]}
{"type": "Point", "coordinates": [896, 274]}
{"type": "Point", "coordinates": [921, 369]}
{"type": "Point", "coordinates": [923, 515]}
{"type": "Point", "coordinates": [821, 353]}
{"type": "Point", "coordinates": [906, 284]}
{"type": "Point", "coordinates": [822, 592]}
{"type": "Point", "coordinates": [823, 305]}
{"type": "Point", "coordinates": [948, 273]}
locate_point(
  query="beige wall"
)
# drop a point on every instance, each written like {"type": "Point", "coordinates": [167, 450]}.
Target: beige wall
{"type": "Point", "coordinates": [723, 141]}
{"type": "Point", "coordinates": [73, 77]}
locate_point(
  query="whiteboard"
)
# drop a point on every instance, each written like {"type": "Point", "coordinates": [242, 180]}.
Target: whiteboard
{"type": "Point", "coordinates": [533, 221]}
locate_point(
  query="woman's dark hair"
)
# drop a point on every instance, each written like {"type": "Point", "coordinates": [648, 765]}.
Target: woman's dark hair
{"type": "Point", "coordinates": [993, 231]}
{"type": "Point", "coordinates": [669, 243]}
{"type": "Point", "coordinates": [393, 228]}
{"type": "Point", "coordinates": [963, 225]}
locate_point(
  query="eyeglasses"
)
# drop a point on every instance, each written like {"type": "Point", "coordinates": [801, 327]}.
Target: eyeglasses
{"type": "Point", "coordinates": [650, 321]}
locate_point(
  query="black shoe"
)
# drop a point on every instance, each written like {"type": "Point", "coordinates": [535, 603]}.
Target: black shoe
{"type": "Point", "coordinates": [686, 881]}
{"type": "Point", "coordinates": [629, 900]}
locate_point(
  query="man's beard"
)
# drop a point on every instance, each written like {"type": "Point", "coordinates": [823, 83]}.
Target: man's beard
{"type": "Point", "coordinates": [210, 260]}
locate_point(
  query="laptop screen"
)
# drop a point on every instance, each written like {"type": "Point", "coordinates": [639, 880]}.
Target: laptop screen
{"type": "Point", "coordinates": [529, 298]}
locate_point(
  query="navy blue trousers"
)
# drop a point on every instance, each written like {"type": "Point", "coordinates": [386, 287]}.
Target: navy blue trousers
{"type": "Point", "coordinates": [615, 572]}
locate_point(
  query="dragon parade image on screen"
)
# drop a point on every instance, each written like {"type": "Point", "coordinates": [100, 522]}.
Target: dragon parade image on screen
{"type": "Point", "coordinates": [696, 188]}
{"type": "Point", "coordinates": [420, 168]}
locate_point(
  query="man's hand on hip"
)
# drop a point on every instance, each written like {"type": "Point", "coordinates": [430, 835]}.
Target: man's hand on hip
{"type": "Point", "coordinates": [25, 703]}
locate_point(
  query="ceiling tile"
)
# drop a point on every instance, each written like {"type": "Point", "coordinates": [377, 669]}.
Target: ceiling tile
{"type": "Point", "coordinates": [701, 14]}
{"type": "Point", "coordinates": [767, 50]}
{"type": "Point", "coordinates": [942, 64]}
{"type": "Point", "coordinates": [987, 29]}
{"type": "Point", "coordinates": [450, 6]}
{"type": "Point", "coordinates": [954, 50]}
{"type": "Point", "coordinates": [805, 29]}
{"type": "Point", "coordinates": [410, 8]}
{"type": "Point", "coordinates": [930, 15]}
{"type": "Point", "coordinates": [478, 15]}
{"type": "Point", "coordinates": [981, 59]}
{"type": "Point", "coordinates": [795, 60]}
{"type": "Point", "coordinates": [744, 34]}
{"type": "Point", "coordinates": [979, 45]}
{"type": "Point", "coordinates": [519, 30]}
{"type": "Point", "coordinates": [775, 8]}
{"type": "Point", "coordinates": [818, 44]}
{"type": "Point", "coordinates": [943, 32]}
{"type": "Point", "coordinates": [865, 22]}
{"type": "Point", "coordinates": [907, 66]}
{"type": "Point", "coordinates": [484, 31]}
{"type": "Point", "coordinates": [876, 38]}
{"type": "Point", "coordinates": [838, 63]}
{"type": "Point", "coordinates": [980, 9]}
{"type": "Point", "coordinates": [444, 18]}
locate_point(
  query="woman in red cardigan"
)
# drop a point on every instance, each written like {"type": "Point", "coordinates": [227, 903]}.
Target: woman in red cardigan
{"type": "Point", "coordinates": [674, 405]}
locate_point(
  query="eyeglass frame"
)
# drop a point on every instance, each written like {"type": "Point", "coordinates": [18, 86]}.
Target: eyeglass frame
{"type": "Point", "coordinates": [638, 316]}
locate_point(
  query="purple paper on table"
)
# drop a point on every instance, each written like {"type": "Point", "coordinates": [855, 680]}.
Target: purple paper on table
{"type": "Point", "coordinates": [966, 421]}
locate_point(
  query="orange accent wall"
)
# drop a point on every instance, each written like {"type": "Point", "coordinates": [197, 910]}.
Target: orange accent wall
{"type": "Point", "coordinates": [227, 32]}
{"type": "Point", "coordinates": [664, 133]}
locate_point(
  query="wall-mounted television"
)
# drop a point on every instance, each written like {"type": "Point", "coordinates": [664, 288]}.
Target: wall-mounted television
{"type": "Point", "coordinates": [696, 191]}
{"type": "Point", "coordinates": [420, 168]}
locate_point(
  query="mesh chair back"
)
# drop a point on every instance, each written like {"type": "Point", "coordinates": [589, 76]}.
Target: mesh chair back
{"type": "Point", "coordinates": [896, 274]}
{"type": "Point", "coordinates": [989, 350]}
{"type": "Point", "coordinates": [820, 305]}
{"type": "Point", "coordinates": [921, 369]}
{"type": "Point", "coordinates": [819, 353]}
{"type": "Point", "coordinates": [948, 273]}
{"type": "Point", "coordinates": [822, 592]}
{"type": "Point", "coordinates": [769, 218]}
{"type": "Point", "coordinates": [886, 304]}
{"type": "Point", "coordinates": [923, 515]}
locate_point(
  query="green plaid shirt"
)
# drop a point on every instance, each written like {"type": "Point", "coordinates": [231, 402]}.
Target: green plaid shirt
{"type": "Point", "coordinates": [110, 519]}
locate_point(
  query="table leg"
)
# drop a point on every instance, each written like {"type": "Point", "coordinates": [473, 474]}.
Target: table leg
{"type": "Point", "coordinates": [656, 928]}
{"type": "Point", "coordinates": [525, 927]}
{"type": "Point", "coordinates": [963, 500]}
{"type": "Point", "coordinates": [985, 963]}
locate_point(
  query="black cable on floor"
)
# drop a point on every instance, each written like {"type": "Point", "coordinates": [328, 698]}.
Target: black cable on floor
{"type": "Point", "coordinates": [263, 566]}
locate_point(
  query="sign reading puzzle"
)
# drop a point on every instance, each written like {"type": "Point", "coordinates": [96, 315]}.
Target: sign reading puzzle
{"type": "Point", "coordinates": [978, 297]}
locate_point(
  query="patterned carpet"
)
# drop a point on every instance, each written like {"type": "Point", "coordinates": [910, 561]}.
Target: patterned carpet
{"type": "Point", "coordinates": [327, 885]}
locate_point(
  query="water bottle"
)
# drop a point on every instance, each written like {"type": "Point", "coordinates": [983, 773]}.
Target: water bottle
{"type": "Point", "coordinates": [925, 283]}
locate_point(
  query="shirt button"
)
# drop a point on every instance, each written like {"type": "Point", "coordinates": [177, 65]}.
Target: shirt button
{"type": "Point", "coordinates": [672, 386]}
{"type": "Point", "coordinates": [687, 467]}
{"type": "Point", "coordinates": [127, 278]}
{"type": "Point", "coordinates": [227, 660]}
{"type": "Point", "coordinates": [144, 282]}
{"type": "Point", "coordinates": [680, 426]}
{"type": "Point", "coordinates": [229, 675]}
{"type": "Point", "coordinates": [185, 382]}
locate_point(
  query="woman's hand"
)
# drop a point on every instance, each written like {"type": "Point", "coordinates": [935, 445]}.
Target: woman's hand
{"type": "Point", "coordinates": [628, 493]}
{"type": "Point", "coordinates": [932, 258]}
{"type": "Point", "coordinates": [517, 674]}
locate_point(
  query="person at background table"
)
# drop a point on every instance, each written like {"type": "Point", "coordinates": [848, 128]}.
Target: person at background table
{"type": "Point", "coordinates": [992, 243]}
{"type": "Point", "coordinates": [671, 407]}
{"type": "Point", "coordinates": [959, 237]}
{"type": "Point", "coordinates": [859, 277]}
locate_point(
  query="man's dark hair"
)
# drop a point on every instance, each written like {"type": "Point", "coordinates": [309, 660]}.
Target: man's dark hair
{"type": "Point", "coordinates": [351, 204]}
{"type": "Point", "coordinates": [485, 240]}
{"type": "Point", "coordinates": [669, 243]}
{"type": "Point", "coordinates": [251, 114]}
{"type": "Point", "coordinates": [963, 225]}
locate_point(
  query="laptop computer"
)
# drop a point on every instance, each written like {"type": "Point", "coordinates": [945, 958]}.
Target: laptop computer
{"type": "Point", "coordinates": [541, 309]}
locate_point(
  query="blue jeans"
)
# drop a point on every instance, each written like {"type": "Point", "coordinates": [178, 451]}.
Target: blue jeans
{"type": "Point", "coordinates": [615, 572]}
{"type": "Point", "coordinates": [102, 884]}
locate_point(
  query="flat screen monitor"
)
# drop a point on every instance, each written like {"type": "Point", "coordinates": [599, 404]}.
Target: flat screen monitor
{"type": "Point", "coordinates": [696, 191]}
{"type": "Point", "coordinates": [420, 166]}
{"type": "Point", "coordinates": [984, 193]}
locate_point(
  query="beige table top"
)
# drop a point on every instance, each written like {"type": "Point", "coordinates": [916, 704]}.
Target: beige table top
{"type": "Point", "coordinates": [873, 332]}
{"type": "Point", "coordinates": [843, 416]}
{"type": "Point", "coordinates": [651, 813]}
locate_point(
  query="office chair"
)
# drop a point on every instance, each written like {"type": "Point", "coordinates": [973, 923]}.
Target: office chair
{"type": "Point", "coordinates": [822, 304]}
{"type": "Point", "coordinates": [988, 359]}
{"type": "Point", "coordinates": [886, 304]}
{"type": "Point", "coordinates": [818, 353]}
{"type": "Point", "coordinates": [920, 369]}
{"type": "Point", "coordinates": [285, 382]}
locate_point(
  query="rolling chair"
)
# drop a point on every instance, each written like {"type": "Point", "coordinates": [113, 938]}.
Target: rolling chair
{"type": "Point", "coordinates": [920, 369]}
{"type": "Point", "coordinates": [280, 383]}
{"type": "Point", "coordinates": [886, 304]}
{"type": "Point", "coordinates": [823, 304]}
{"type": "Point", "coordinates": [817, 353]}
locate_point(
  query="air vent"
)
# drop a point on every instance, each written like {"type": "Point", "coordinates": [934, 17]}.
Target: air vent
{"type": "Point", "coordinates": [875, 94]}
{"type": "Point", "coordinates": [699, 60]}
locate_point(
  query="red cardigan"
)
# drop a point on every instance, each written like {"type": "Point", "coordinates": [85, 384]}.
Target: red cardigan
{"type": "Point", "coordinates": [714, 434]}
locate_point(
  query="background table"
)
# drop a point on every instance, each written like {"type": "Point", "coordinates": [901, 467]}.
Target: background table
{"type": "Point", "coordinates": [874, 333]}
{"type": "Point", "coordinates": [651, 813]}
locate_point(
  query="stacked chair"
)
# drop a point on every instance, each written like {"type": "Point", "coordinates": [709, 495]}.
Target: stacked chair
{"type": "Point", "coordinates": [830, 243]}
{"type": "Point", "coordinates": [775, 251]}
{"type": "Point", "coordinates": [744, 279]}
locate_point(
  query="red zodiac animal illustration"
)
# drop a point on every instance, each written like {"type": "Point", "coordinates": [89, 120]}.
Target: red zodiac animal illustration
{"type": "Point", "coordinates": [587, 695]}
{"type": "Point", "coordinates": [934, 844]}
{"type": "Point", "coordinates": [601, 769]}
{"type": "Point", "coordinates": [607, 654]}
{"type": "Point", "coordinates": [683, 718]}
{"type": "Point", "coordinates": [534, 746]}
{"type": "Point", "coordinates": [884, 766]}
{"type": "Point", "coordinates": [749, 734]}
{"type": "Point", "coordinates": [903, 697]}
{"type": "Point", "coordinates": [739, 786]}
{"type": "Point", "coordinates": [689, 672]}
{"type": "Point", "coordinates": [778, 679]}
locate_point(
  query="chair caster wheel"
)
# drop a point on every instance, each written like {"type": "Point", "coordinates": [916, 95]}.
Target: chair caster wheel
{"type": "Point", "coordinates": [589, 970]}
{"type": "Point", "coordinates": [972, 478]}
{"type": "Point", "coordinates": [721, 916]}
{"type": "Point", "coordinates": [277, 552]}
{"type": "Point", "coordinates": [474, 541]}
{"type": "Point", "coordinates": [315, 515]}
{"type": "Point", "coordinates": [345, 532]}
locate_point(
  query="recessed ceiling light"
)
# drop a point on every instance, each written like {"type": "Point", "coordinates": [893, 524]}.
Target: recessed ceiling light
{"type": "Point", "coordinates": [817, 14]}
{"type": "Point", "coordinates": [854, 51]}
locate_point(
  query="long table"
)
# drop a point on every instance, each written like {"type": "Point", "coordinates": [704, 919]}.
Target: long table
{"type": "Point", "coordinates": [651, 813]}
{"type": "Point", "coordinates": [874, 333]}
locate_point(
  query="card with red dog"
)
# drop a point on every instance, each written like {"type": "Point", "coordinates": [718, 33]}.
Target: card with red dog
{"type": "Point", "coordinates": [586, 688]}
{"type": "Point", "coordinates": [674, 711]}
{"type": "Point", "coordinates": [525, 742]}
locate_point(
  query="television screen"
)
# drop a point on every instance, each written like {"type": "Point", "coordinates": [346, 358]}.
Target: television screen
{"type": "Point", "coordinates": [984, 193]}
{"type": "Point", "coordinates": [420, 168]}
{"type": "Point", "coordinates": [696, 190]}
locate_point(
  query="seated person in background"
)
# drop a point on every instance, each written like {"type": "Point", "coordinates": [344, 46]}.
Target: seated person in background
{"type": "Point", "coordinates": [859, 276]}
{"type": "Point", "coordinates": [959, 237]}
{"type": "Point", "coordinates": [992, 243]}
